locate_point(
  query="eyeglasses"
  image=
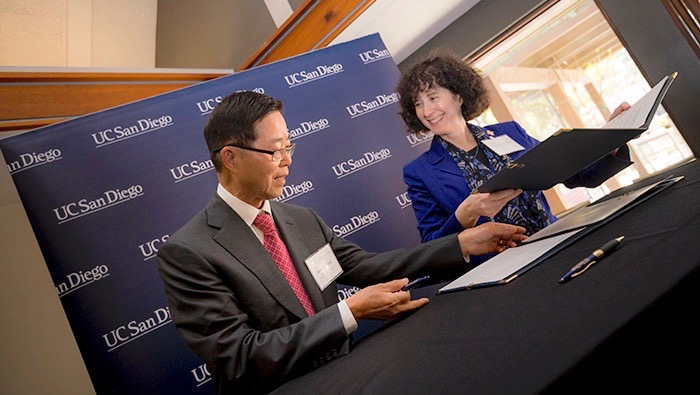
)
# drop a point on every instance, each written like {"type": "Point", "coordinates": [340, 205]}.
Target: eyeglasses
{"type": "Point", "coordinates": [277, 155]}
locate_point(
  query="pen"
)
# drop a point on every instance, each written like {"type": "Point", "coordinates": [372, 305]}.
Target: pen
{"type": "Point", "coordinates": [588, 261]}
{"type": "Point", "coordinates": [414, 283]}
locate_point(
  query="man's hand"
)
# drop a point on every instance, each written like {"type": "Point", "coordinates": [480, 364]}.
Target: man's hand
{"type": "Point", "coordinates": [483, 204]}
{"type": "Point", "coordinates": [490, 237]}
{"type": "Point", "coordinates": [383, 301]}
{"type": "Point", "coordinates": [624, 106]}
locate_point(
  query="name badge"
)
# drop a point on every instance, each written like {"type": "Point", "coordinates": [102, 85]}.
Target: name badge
{"type": "Point", "coordinates": [324, 266]}
{"type": "Point", "coordinates": [503, 145]}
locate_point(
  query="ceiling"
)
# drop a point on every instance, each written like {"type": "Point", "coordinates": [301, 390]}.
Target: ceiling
{"type": "Point", "coordinates": [405, 25]}
{"type": "Point", "coordinates": [568, 35]}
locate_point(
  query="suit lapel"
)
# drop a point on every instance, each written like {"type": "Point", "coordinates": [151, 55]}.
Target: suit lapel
{"type": "Point", "coordinates": [237, 238]}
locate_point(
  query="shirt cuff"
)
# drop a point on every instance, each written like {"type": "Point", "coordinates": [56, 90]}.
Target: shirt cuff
{"type": "Point", "coordinates": [349, 321]}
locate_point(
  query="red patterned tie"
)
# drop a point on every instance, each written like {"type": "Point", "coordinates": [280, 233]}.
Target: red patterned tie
{"type": "Point", "coordinates": [275, 246]}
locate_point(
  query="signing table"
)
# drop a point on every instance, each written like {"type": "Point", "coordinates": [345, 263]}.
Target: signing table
{"type": "Point", "coordinates": [628, 323]}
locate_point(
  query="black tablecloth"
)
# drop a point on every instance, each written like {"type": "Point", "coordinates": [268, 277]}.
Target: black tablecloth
{"type": "Point", "coordinates": [625, 324]}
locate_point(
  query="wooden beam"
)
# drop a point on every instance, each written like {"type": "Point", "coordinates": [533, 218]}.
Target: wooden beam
{"type": "Point", "coordinates": [41, 101]}
{"type": "Point", "coordinates": [500, 102]}
{"type": "Point", "coordinates": [40, 98]}
{"type": "Point", "coordinates": [564, 107]}
{"type": "Point", "coordinates": [16, 77]}
{"type": "Point", "coordinates": [313, 25]}
{"type": "Point", "coordinates": [27, 124]}
{"type": "Point", "coordinates": [34, 99]}
{"type": "Point", "coordinates": [598, 100]}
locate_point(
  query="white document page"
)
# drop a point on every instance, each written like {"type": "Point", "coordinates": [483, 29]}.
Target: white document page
{"type": "Point", "coordinates": [588, 215]}
{"type": "Point", "coordinates": [506, 264]}
{"type": "Point", "coordinates": [636, 116]}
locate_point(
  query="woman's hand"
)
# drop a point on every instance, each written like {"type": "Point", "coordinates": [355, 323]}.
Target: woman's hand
{"type": "Point", "coordinates": [483, 204]}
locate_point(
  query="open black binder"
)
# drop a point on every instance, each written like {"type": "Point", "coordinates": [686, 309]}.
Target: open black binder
{"type": "Point", "coordinates": [601, 212]}
{"type": "Point", "coordinates": [514, 262]}
{"type": "Point", "coordinates": [568, 151]}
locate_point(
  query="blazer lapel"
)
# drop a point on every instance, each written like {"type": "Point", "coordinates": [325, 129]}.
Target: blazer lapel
{"type": "Point", "coordinates": [440, 159]}
{"type": "Point", "coordinates": [237, 238]}
{"type": "Point", "coordinates": [449, 186]}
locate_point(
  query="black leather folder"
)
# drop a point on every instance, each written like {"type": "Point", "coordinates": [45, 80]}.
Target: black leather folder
{"type": "Point", "coordinates": [559, 157]}
{"type": "Point", "coordinates": [568, 151]}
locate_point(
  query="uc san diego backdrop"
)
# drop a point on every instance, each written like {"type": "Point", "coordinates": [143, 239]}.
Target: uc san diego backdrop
{"type": "Point", "coordinates": [104, 191]}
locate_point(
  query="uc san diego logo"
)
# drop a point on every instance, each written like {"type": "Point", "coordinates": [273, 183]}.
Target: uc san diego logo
{"type": "Point", "coordinates": [190, 169]}
{"type": "Point", "coordinates": [109, 198]}
{"type": "Point", "coordinates": [33, 159]}
{"type": "Point", "coordinates": [305, 76]}
{"type": "Point", "coordinates": [134, 329]}
{"type": "Point", "coordinates": [308, 127]}
{"type": "Point", "coordinates": [353, 165]}
{"type": "Point", "coordinates": [292, 191]}
{"type": "Point", "coordinates": [120, 133]}
{"type": "Point", "coordinates": [149, 249]}
{"type": "Point", "coordinates": [373, 55]}
{"type": "Point", "coordinates": [419, 138]}
{"type": "Point", "coordinates": [201, 374]}
{"type": "Point", "coordinates": [344, 293]}
{"type": "Point", "coordinates": [206, 106]}
{"type": "Point", "coordinates": [79, 279]}
{"type": "Point", "coordinates": [364, 107]}
{"type": "Point", "coordinates": [403, 200]}
{"type": "Point", "coordinates": [356, 223]}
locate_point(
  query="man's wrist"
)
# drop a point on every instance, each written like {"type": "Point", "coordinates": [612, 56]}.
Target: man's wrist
{"type": "Point", "coordinates": [349, 321]}
{"type": "Point", "coordinates": [463, 248]}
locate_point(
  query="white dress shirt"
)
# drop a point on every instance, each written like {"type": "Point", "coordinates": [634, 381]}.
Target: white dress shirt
{"type": "Point", "coordinates": [248, 214]}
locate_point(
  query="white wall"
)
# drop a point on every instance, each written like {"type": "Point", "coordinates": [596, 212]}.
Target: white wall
{"type": "Point", "coordinates": [78, 33]}
{"type": "Point", "coordinates": [38, 353]}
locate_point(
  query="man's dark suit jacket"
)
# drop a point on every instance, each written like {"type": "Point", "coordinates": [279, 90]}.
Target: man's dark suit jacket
{"type": "Point", "coordinates": [234, 308]}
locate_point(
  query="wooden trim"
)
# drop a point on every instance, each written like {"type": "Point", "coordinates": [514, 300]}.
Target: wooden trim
{"type": "Point", "coordinates": [313, 25]}
{"type": "Point", "coordinates": [16, 77]}
{"type": "Point", "coordinates": [36, 99]}
{"type": "Point", "coordinates": [27, 124]}
{"type": "Point", "coordinates": [519, 24]}
{"type": "Point", "coordinates": [686, 15]}
{"type": "Point", "coordinates": [41, 101]}
{"type": "Point", "coordinates": [42, 98]}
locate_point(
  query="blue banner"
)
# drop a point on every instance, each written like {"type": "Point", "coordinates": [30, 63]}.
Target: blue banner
{"type": "Point", "coordinates": [104, 191]}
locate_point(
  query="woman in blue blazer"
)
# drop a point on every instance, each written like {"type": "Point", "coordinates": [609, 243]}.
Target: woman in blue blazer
{"type": "Point", "coordinates": [438, 95]}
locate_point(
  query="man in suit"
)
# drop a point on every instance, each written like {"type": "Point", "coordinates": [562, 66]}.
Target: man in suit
{"type": "Point", "coordinates": [234, 307]}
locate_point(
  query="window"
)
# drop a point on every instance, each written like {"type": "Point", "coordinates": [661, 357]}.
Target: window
{"type": "Point", "coordinates": [566, 68]}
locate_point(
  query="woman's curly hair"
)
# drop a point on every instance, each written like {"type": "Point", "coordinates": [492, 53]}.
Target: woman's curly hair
{"type": "Point", "coordinates": [449, 72]}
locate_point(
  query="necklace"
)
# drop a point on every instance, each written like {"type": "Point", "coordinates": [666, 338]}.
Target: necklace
{"type": "Point", "coordinates": [475, 151]}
